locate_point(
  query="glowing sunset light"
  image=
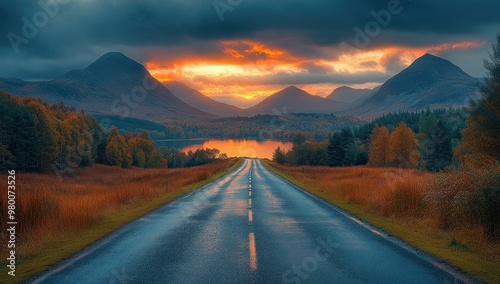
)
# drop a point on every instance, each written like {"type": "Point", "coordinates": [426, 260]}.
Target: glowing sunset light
{"type": "Point", "coordinates": [243, 148]}
{"type": "Point", "coordinates": [244, 72]}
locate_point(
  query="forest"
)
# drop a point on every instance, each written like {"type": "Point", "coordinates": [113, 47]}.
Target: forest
{"type": "Point", "coordinates": [424, 140]}
{"type": "Point", "coordinates": [39, 137]}
{"type": "Point", "coordinates": [264, 127]}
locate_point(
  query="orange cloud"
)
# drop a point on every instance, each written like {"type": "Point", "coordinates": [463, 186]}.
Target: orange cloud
{"type": "Point", "coordinates": [234, 53]}
{"type": "Point", "coordinates": [259, 48]}
{"type": "Point", "coordinates": [245, 72]}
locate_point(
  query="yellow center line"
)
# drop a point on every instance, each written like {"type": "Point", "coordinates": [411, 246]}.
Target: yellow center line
{"type": "Point", "coordinates": [250, 216]}
{"type": "Point", "coordinates": [253, 251]}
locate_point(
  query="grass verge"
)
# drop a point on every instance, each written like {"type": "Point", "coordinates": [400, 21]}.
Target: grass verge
{"type": "Point", "coordinates": [61, 245]}
{"type": "Point", "coordinates": [463, 248]}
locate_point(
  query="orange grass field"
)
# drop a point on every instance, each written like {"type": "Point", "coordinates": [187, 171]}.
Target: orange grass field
{"type": "Point", "coordinates": [396, 200]}
{"type": "Point", "coordinates": [54, 215]}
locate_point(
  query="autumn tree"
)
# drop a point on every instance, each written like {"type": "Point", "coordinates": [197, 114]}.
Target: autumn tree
{"type": "Point", "coordinates": [45, 132]}
{"type": "Point", "coordinates": [403, 148]}
{"type": "Point", "coordinates": [117, 150]}
{"type": "Point", "coordinates": [80, 140]}
{"type": "Point", "coordinates": [379, 147]}
{"type": "Point", "coordinates": [481, 138]}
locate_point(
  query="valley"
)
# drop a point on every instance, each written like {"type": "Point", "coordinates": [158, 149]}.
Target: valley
{"type": "Point", "coordinates": [320, 141]}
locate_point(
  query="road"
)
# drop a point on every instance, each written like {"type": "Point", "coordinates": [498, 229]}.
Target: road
{"type": "Point", "coordinates": [249, 227]}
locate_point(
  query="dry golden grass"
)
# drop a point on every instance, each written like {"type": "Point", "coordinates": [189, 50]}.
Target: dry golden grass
{"type": "Point", "coordinates": [48, 208]}
{"type": "Point", "coordinates": [384, 191]}
{"type": "Point", "coordinates": [400, 201]}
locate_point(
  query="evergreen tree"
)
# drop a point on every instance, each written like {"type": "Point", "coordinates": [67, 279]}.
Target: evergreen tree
{"type": "Point", "coordinates": [298, 149]}
{"type": "Point", "coordinates": [336, 152]}
{"type": "Point", "coordinates": [356, 154]}
{"type": "Point", "coordinates": [481, 138]}
{"type": "Point", "coordinates": [443, 154]}
{"type": "Point", "coordinates": [279, 156]}
{"type": "Point", "coordinates": [347, 143]}
{"type": "Point", "coordinates": [19, 146]}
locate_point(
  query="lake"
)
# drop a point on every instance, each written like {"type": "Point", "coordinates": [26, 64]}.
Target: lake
{"type": "Point", "coordinates": [232, 147]}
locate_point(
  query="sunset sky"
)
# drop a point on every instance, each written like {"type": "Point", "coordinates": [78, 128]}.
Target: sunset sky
{"type": "Point", "coordinates": [241, 51]}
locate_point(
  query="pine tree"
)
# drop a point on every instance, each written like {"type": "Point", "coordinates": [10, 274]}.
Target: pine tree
{"type": "Point", "coordinates": [336, 151]}
{"type": "Point", "coordinates": [279, 156]}
{"type": "Point", "coordinates": [346, 144]}
{"type": "Point", "coordinates": [17, 135]}
{"type": "Point", "coordinates": [403, 148]}
{"type": "Point", "coordinates": [443, 153]}
{"type": "Point", "coordinates": [481, 138]}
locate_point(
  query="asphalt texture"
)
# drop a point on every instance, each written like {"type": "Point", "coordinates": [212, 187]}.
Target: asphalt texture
{"type": "Point", "coordinates": [250, 226]}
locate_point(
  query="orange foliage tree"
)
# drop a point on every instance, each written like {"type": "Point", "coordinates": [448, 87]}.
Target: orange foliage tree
{"type": "Point", "coordinates": [379, 147]}
{"type": "Point", "coordinates": [403, 148]}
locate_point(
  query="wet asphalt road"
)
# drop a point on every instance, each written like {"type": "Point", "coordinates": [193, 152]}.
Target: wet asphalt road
{"type": "Point", "coordinates": [249, 227]}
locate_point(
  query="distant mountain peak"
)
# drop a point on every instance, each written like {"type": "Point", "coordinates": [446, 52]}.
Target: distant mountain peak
{"type": "Point", "coordinates": [292, 91]}
{"type": "Point", "coordinates": [115, 56]}
{"type": "Point", "coordinates": [292, 88]}
{"type": "Point", "coordinates": [428, 55]}
{"type": "Point", "coordinates": [430, 62]}
{"type": "Point", "coordinates": [115, 62]}
{"type": "Point", "coordinates": [429, 82]}
{"type": "Point", "coordinates": [348, 95]}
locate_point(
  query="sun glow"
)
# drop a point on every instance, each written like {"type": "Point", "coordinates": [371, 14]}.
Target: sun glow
{"type": "Point", "coordinates": [245, 72]}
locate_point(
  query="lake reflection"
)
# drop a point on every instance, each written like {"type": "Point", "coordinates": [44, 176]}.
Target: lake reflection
{"type": "Point", "coordinates": [232, 147]}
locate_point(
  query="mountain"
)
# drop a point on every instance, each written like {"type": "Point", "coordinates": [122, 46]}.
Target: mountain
{"type": "Point", "coordinates": [348, 95]}
{"type": "Point", "coordinates": [294, 100]}
{"type": "Point", "coordinates": [198, 100]}
{"type": "Point", "coordinates": [113, 84]}
{"type": "Point", "coordinates": [429, 82]}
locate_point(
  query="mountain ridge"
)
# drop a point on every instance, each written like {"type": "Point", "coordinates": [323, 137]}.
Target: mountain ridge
{"type": "Point", "coordinates": [113, 84]}
{"type": "Point", "coordinates": [293, 100]}
{"type": "Point", "coordinates": [429, 82]}
{"type": "Point", "coordinates": [200, 101]}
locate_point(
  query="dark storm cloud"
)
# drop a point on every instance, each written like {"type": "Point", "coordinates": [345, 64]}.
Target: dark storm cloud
{"type": "Point", "coordinates": [78, 31]}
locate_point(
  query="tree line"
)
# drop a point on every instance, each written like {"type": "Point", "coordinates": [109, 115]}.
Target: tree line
{"type": "Point", "coordinates": [275, 127]}
{"type": "Point", "coordinates": [37, 136]}
{"type": "Point", "coordinates": [390, 145]}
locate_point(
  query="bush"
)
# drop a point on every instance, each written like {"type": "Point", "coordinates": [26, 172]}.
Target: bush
{"type": "Point", "coordinates": [467, 197]}
{"type": "Point", "coordinates": [491, 212]}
